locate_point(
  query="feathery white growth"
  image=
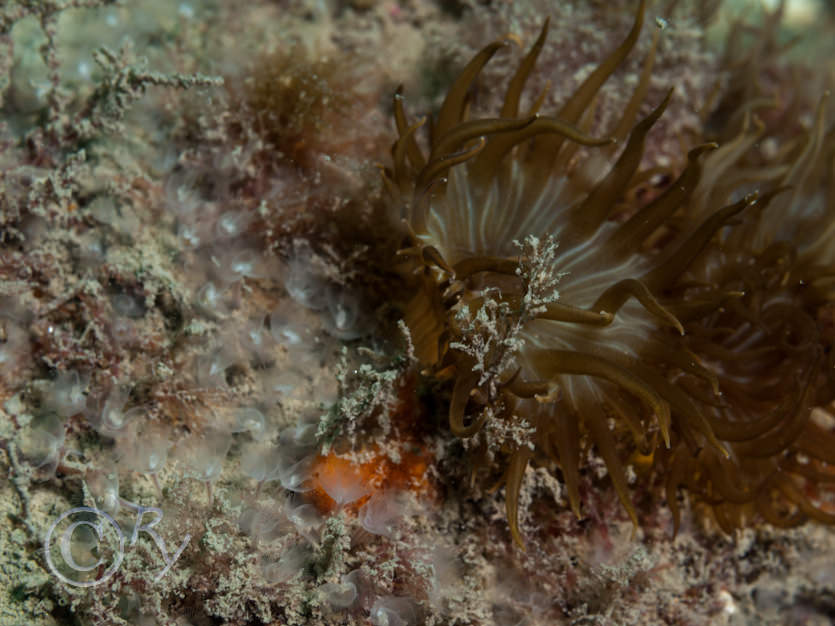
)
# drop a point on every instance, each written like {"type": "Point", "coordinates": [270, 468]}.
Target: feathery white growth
{"type": "Point", "coordinates": [536, 268]}
{"type": "Point", "coordinates": [492, 335]}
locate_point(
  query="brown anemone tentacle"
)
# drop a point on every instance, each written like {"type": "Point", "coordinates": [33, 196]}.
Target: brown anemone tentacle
{"type": "Point", "coordinates": [778, 254]}
{"type": "Point", "coordinates": [597, 424]}
{"type": "Point", "coordinates": [729, 355]}
{"type": "Point", "coordinates": [536, 105]}
{"type": "Point", "coordinates": [548, 148]}
{"type": "Point", "coordinates": [402, 148]}
{"type": "Point", "coordinates": [697, 308]}
{"type": "Point", "coordinates": [412, 150]}
{"type": "Point", "coordinates": [559, 312]}
{"type": "Point", "coordinates": [474, 264]}
{"type": "Point", "coordinates": [636, 229]}
{"type": "Point", "coordinates": [515, 473]}
{"type": "Point", "coordinates": [766, 507]}
{"type": "Point", "coordinates": [625, 411]}
{"type": "Point", "coordinates": [630, 112]}
{"type": "Point", "coordinates": [644, 177]}
{"type": "Point", "coordinates": [586, 218]}
{"type": "Point", "coordinates": [741, 238]}
{"type": "Point", "coordinates": [579, 101]}
{"type": "Point", "coordinates": [808, 471]}
{"type": "Point", "coordinates": [726, 515]}
{"type": "Point", "coordinates": [556, 362]}
{"type": "Point", "coordinates": [453, 292]}
{"type": "Point", "coordinates": [563, 158]}
{"type": "Point", "coordinates": [776, 387]}
{"type": "Point", "coordinates": [689, 419]}
{"type": "Point", "coordinates": [566, 437]}
{"type": "Point", "coordinates": [817, 442]}
{"type": "Point", "coordinates": [422, 197]}
{"type": "Point", "coordinates": [738, 430]}
{"type": "Point", "coordinates": [525, 389]}
{"type": "Point", "coordinates": [394, 191]}
{"type": "Point", "coordinates": [486, 165]}
{"type": "Point", "coordinates": [747, 309]}
{"type": "Point", "coordinates": [784, 483]}
{"type": "Point", "coordinates": [750, 109]}
{"type": "Point", "coordinates": [611, 300]}
{"type": "Point", "coordinates": [677, 467]}
{"type": "Point", "coordinates": [510, 108]}
{"type": "Point", "coordinates": [784, 434]}
{"type": "Point", "coordinates": [431, 256]}
{"type": "Point", "coordinates": [438, 168]}
{"type": "Point", "coordinates": [803, 164]}
{"type": "Point", "coordinates": [798, 333]}
{"type": "Point", "coordinates": [425, 318]}
{"type": "Point", "coordinates": [700, 394]}
{"type": "Point", "coordinates": [725, 477]}
{"type": "Point", "coordinates": [675, 264]}
{"type": "Point", "coordinates": [679, 356]}
{"type": "Point", "coordinates": [722, 159]}
{"type": "Point", "coordinates": [457, 137]}
{"type": "Point", "coordinates": [452, 110]}
{"type": "Point", "coordinates": [465, 383]}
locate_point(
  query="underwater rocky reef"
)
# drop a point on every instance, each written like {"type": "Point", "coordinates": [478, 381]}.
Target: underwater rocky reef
{"type": "Point", "coordinates": [445, 312]}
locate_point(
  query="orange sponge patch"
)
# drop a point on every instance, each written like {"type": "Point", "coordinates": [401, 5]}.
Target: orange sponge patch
{"type": "Point", "coordinates": [340, 482]}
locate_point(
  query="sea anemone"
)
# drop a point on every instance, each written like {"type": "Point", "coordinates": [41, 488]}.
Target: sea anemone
{"type": "Point", "coordinates": [759, 297]}
{"type": "Point", "coordinates": [558, 324]}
